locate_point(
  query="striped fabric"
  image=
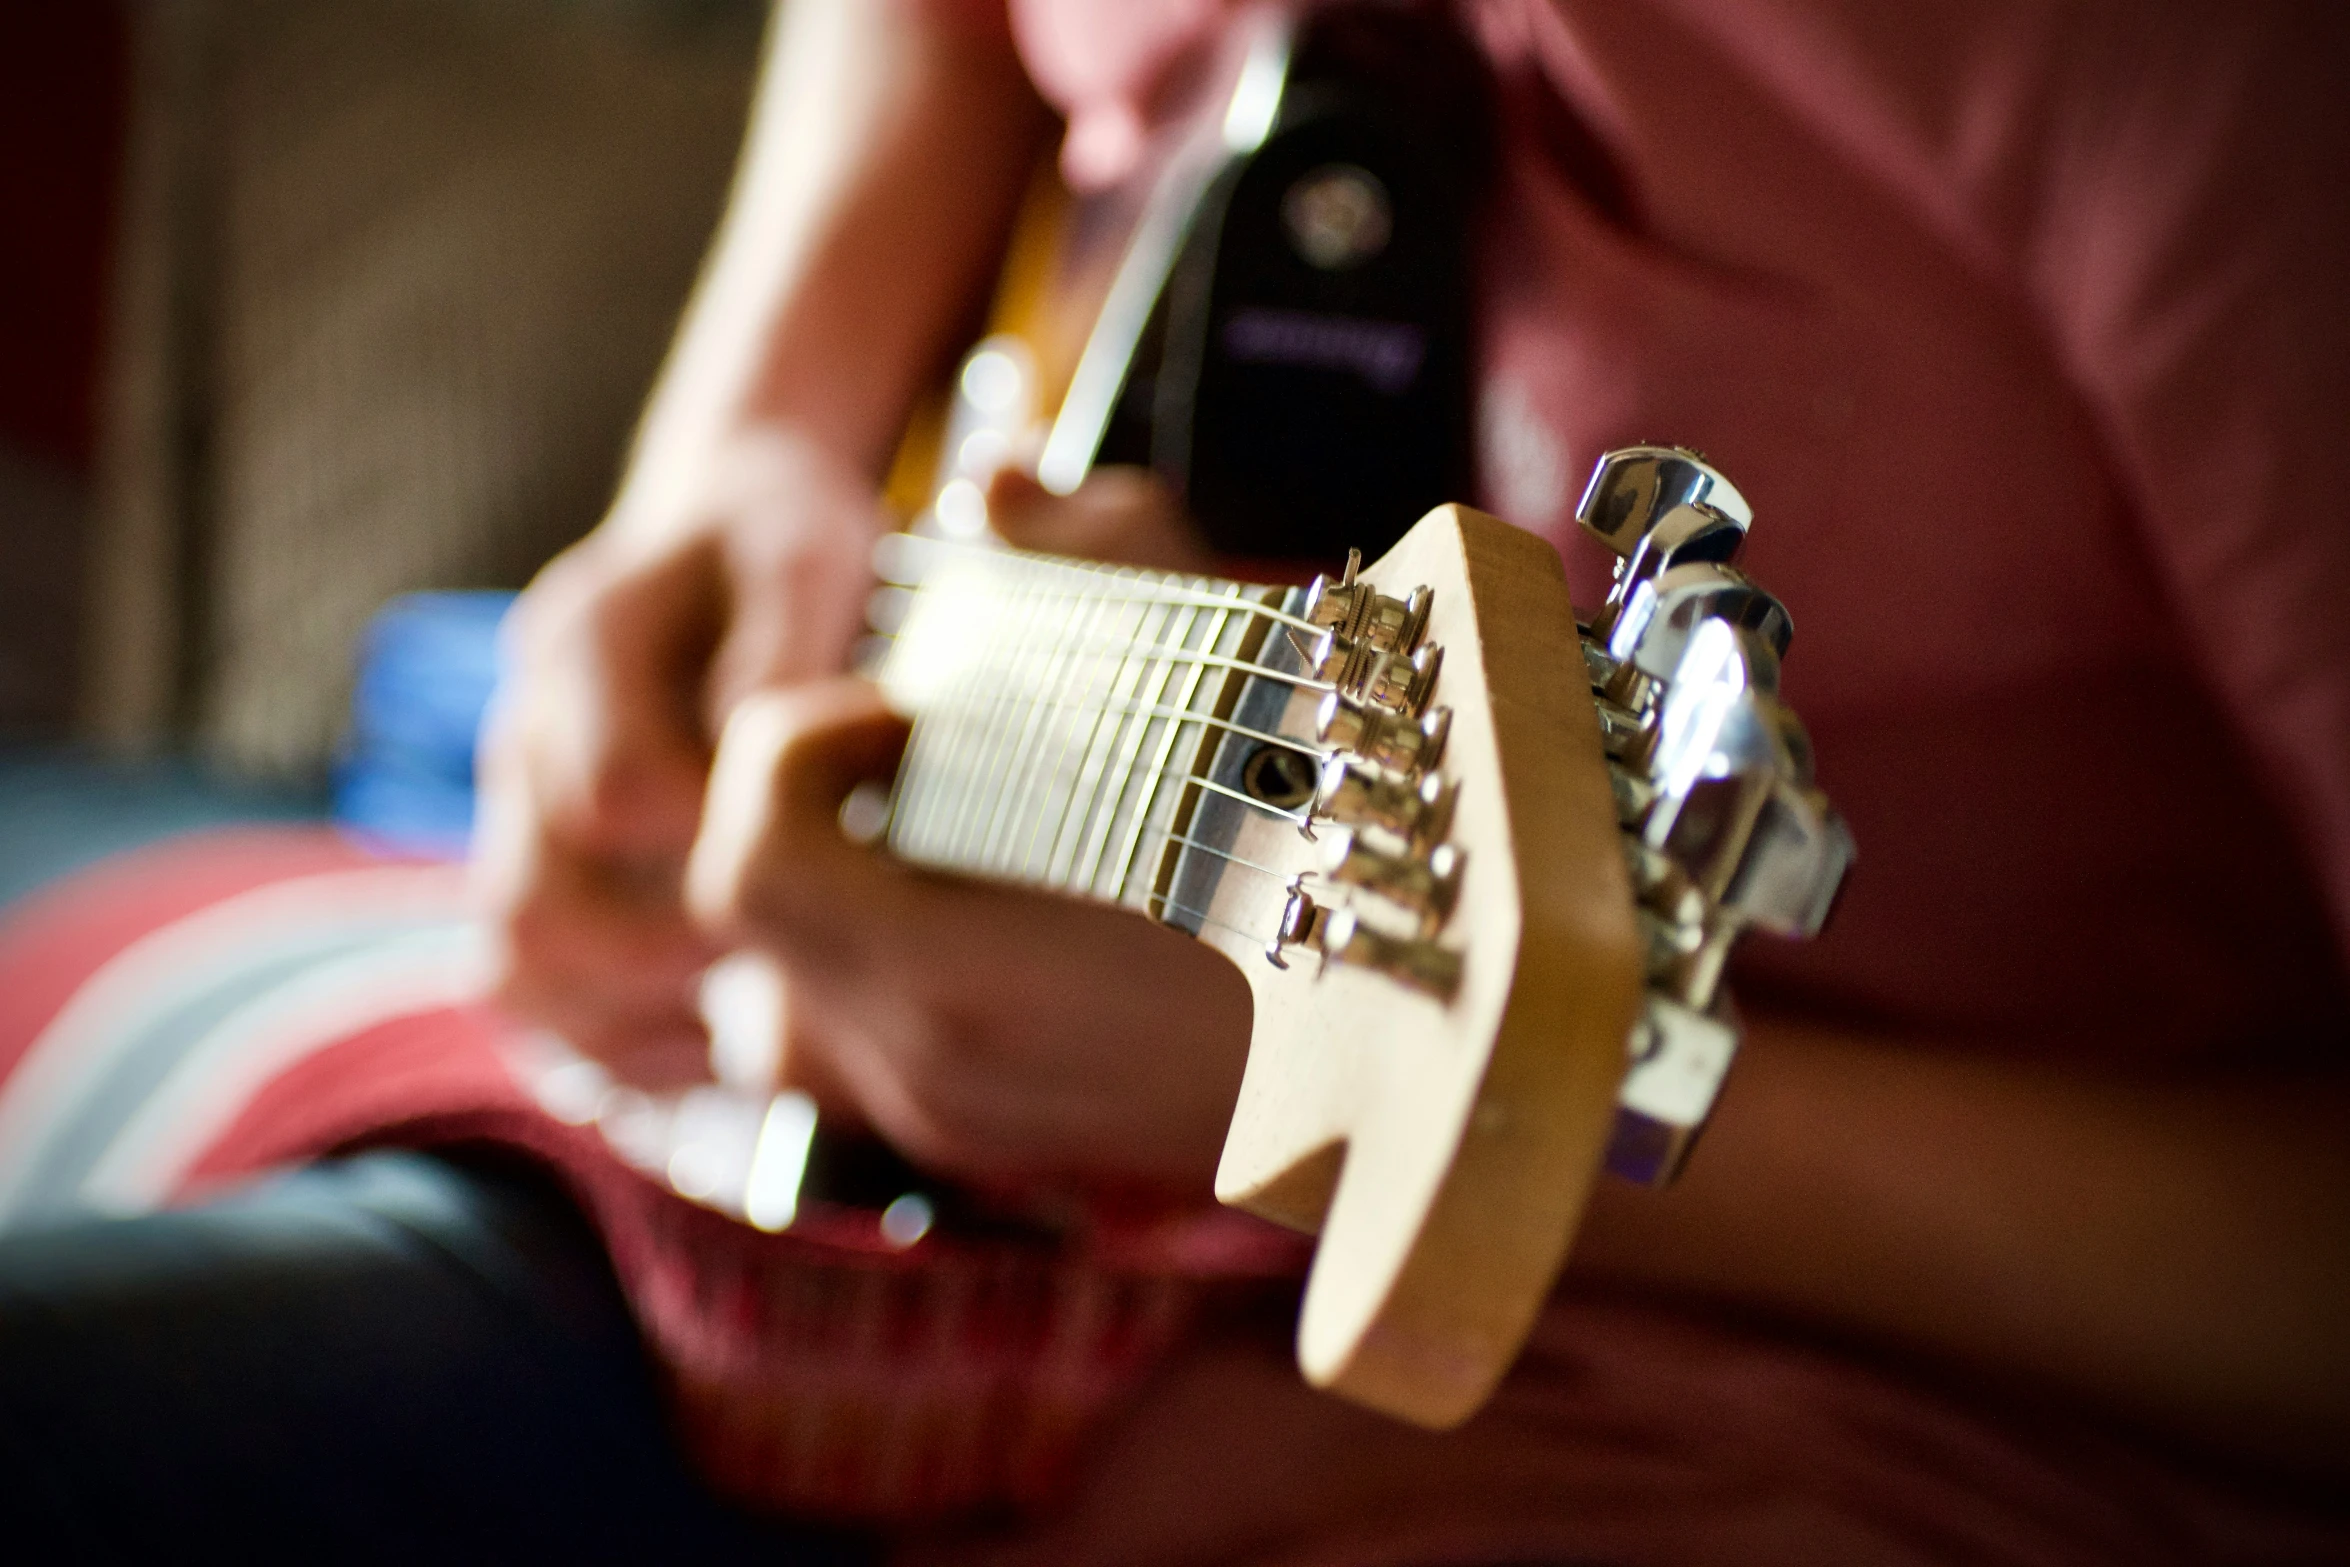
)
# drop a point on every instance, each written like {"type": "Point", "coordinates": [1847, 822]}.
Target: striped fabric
{"type": "Point", "coordinates": [183, 1018]}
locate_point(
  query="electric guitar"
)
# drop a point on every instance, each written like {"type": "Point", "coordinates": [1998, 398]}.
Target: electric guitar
{"type": "Point", "coordinates": [1482, 861]}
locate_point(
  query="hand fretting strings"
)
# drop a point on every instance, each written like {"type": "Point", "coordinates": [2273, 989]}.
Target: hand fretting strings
{"type": "Point", "coordinates": [1052, 702]}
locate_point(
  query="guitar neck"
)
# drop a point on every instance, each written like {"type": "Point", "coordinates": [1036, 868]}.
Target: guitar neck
{"type": "Point", "coordinates": [1066, 715]}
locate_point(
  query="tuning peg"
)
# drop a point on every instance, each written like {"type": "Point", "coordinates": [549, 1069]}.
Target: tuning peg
{"type": "Point", "coordinates": [1420, 965]}
{"type": "Point", "coordinates": [1632, 488]}
{"type": "Point", "coordinates": [1660, 615]}
{"type": "Point", "coordinates": [1396, 683]}
{"type": "Point", "coordinates": [1680, 1056]}
{"type": "Point", "coordinates": [1428, 885]}
{"type": "Point", "coordinates": [1686, 535]}
{"type": "Point", "coordinates": [1419, 812]}
{"type": "Point", "coordinates": [1388, 739]}
{"type": "Point", "coordinates": [1356, 613]}
{"type": "Point", "coordinates": [1797, 855]}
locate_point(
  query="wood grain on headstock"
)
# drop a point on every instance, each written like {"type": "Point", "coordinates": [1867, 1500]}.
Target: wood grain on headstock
{"type": "Point", "coordinates": [1444, 1150]}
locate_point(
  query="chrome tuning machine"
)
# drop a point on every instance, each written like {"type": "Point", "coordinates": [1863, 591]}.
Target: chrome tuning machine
{"type": "Point", "coordinates": [1343, 937]}
{"type": "Point", "coordinates": [1724, 829]}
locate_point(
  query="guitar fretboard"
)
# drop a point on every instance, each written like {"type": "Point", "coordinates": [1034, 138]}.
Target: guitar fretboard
{"type": "Point", "coordinates": [1064, 714]}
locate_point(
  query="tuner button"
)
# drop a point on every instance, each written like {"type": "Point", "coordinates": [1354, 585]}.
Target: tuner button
{"type": "Point", "coordinates": [1419, 965]}
{"type": "Point", "coordinates": [1630, 489]}
{"type": "Point", "coordinates": [1795, 863]}
{"type": "Point", "coordinates": [1659, 617]}
{"type": "Point", "coordinates": [1687, 534]}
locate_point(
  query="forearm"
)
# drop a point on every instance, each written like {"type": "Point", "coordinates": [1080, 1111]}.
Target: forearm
{"type": "Point", "coordinates": [885, 158]}
{"type": "Point", "coordinates": [2178, 1248]}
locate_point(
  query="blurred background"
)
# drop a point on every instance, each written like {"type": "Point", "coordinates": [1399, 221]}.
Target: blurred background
{"type": "Point", "coordinates": [305, 305]}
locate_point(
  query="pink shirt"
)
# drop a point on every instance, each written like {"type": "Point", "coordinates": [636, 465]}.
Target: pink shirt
{"type": "Point", "coordinates": [2025, 331]}
{"type": "Point", "coordinates": [2024, 328]}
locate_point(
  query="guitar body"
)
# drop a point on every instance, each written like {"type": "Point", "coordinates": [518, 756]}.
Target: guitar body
{"type": "Point", "coordinates": [1481, 861]}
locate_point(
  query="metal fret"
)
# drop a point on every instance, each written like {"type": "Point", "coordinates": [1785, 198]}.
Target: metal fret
{"type": "Point", "coordinates": [1119, 774]}
{"type": "Point", "coordinates": [1100, 748]}
{"type": "Point", "coordinates": [1053, 706]}
{"type": "Point", "coordinates": [1011, 790]}
{"type": "Point", "coordinates": [1173, 737]}
{"type": "Point", "coordinates": [1068, 727]}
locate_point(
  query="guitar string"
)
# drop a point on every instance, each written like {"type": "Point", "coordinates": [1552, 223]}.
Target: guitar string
{"type": "Point", "coordinates": [1116, 675]}
{"type": "Point", "coordinates": [1214, 660]}
{"type": "Point", "coordinates": [1116, 773]}
{"type": "Point", "coordinates": [1001, 654]}
{"type": "Point", "coordinates": [1155, 587]}
{"type": "Point", "coordinates": [1001, 657]}
{"type": "Point", "coordinates": [1013, 793]}
{"type": "Point", "coordinates": [969, 731]}
{"type": "Point", "coordinates": [1131, 739]}
{"type": "Point", "coordinates": [960, 762]}
{"type": "Point", "coordinates": [1159, 769]}
{"type": "Point", "coordinates": [1126, 739]}
{"type": "Point", "coordinates": [1206, 918]}
{"type": "Point", "coordinates": [1034, 596]}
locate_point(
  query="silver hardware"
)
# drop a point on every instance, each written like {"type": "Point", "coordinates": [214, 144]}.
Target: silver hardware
{"type": "Point", "coordinates": [1684, 536]}
{"type": "Point", "coordinates": [1679, 1060]}
{"type": "Point", "coordinates": [1419, 965]}
{"type": "Point", "coordinates": [1301, 925]}
{"type": "Point", "coordinates": [1357, 796]}
{"type": "Point", "coordinates": [1427, 885]}
{"type": "Point", "coordinates": [1356, 612]}
{"type": "Point", "coordinates": [1401, 684]}
{"type": "Point", "coordinates": [1389, 739]}
{"type": "Point", "coordinates": [1661, 614]}
{"type": "Point", "coordinates": [1631, 488]}
{"type": "Point", "coordinates": [1723, 828]}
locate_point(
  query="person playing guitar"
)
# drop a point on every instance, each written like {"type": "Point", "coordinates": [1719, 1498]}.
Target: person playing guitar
{"type": "Point", "coordinates": [2022, 1231]}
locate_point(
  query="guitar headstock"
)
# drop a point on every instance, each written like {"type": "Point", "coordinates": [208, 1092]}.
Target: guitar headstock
{"type": "Point", "coordinates": [1502, 922]}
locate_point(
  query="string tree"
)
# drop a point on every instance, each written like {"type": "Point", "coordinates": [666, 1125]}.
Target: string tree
{"type": "Point", "coordinates": [1300, 925]}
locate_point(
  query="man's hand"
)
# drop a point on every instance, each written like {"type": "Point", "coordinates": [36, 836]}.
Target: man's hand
{"type": "Point", "coordinates": [628, 651]}
{"type": "Point", "coordinates": [988, 1032]}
